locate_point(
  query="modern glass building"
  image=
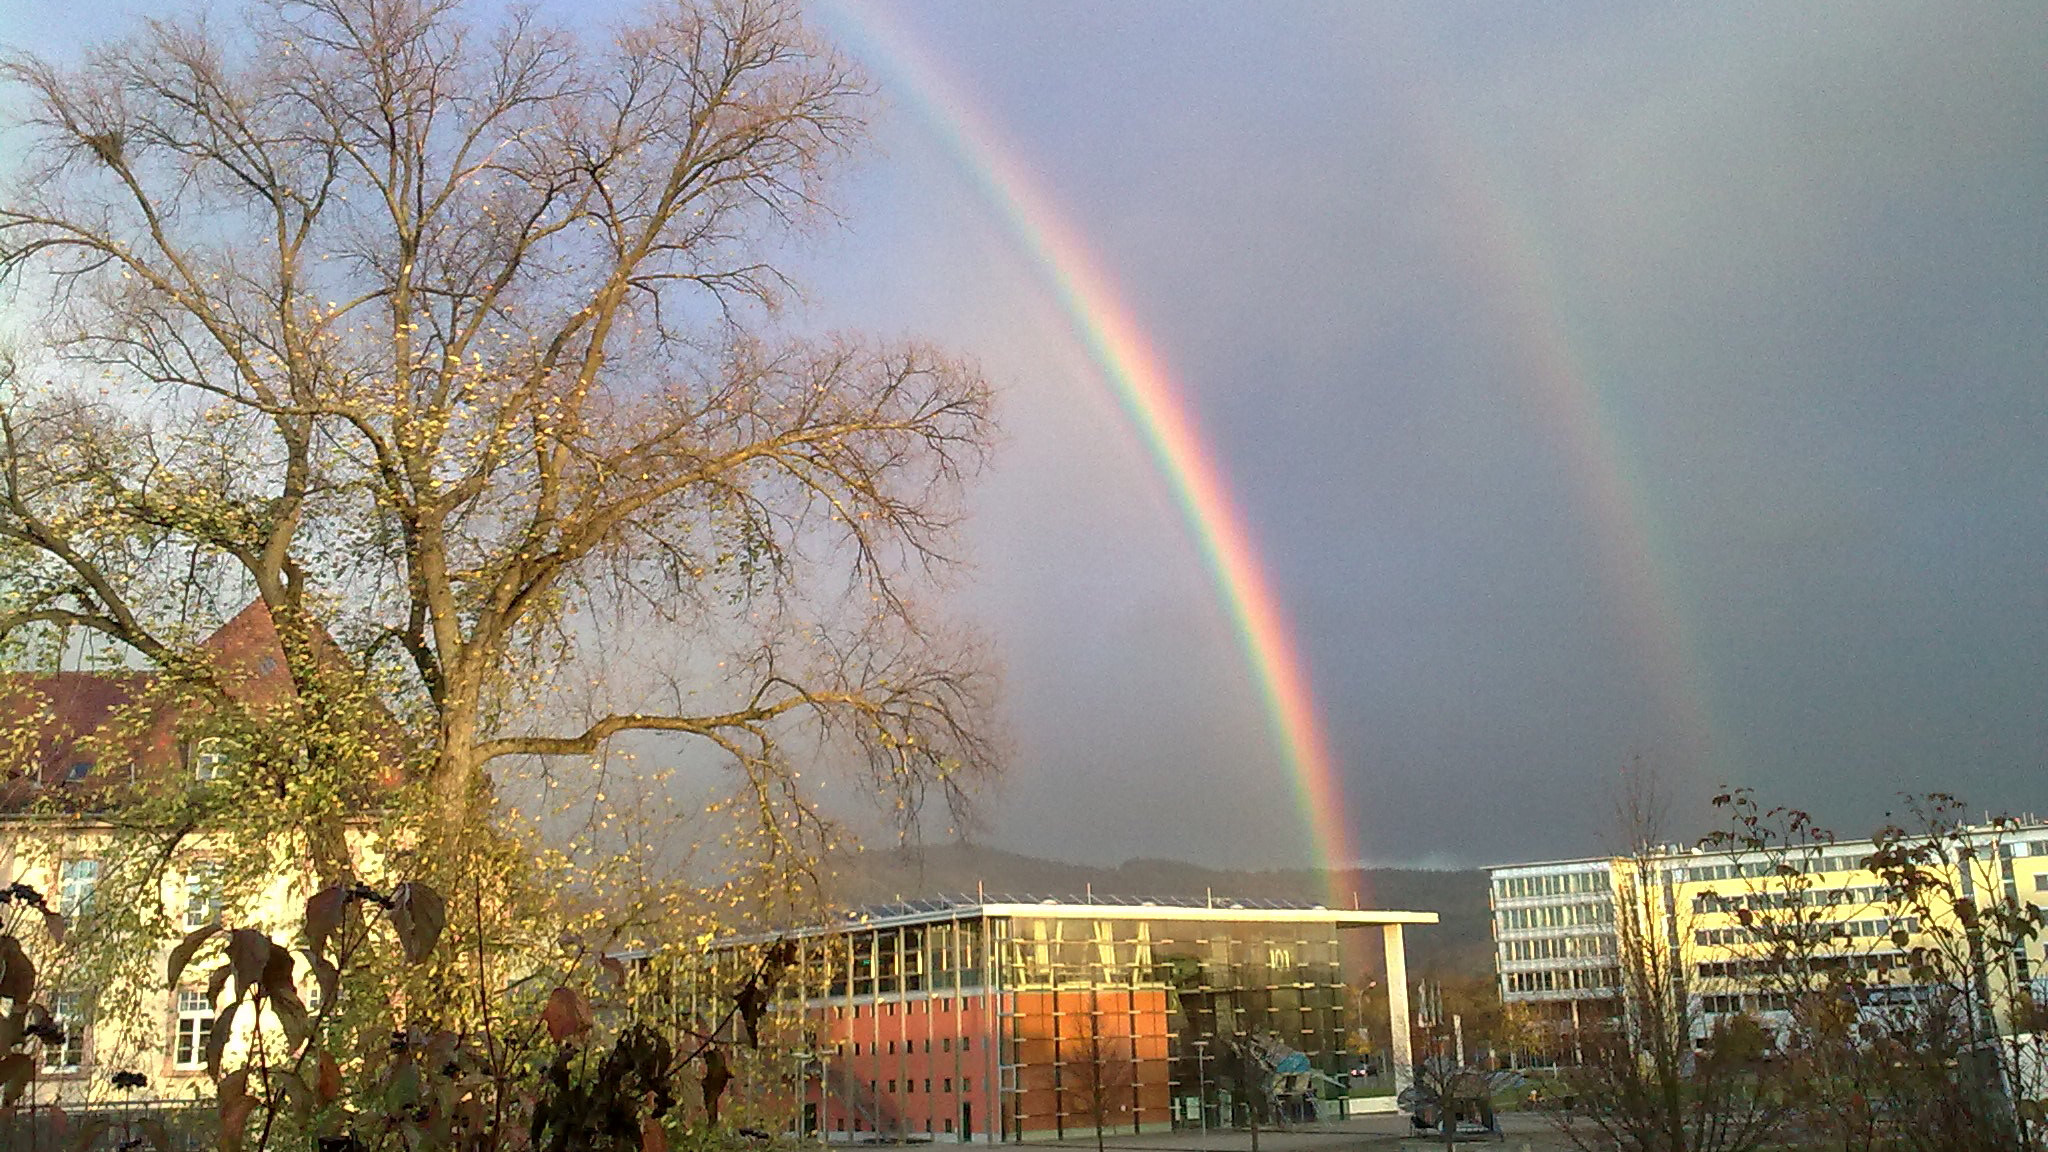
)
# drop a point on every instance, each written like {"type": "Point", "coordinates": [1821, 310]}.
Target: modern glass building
{"type": "Point", "coordinates": [984, 1018]}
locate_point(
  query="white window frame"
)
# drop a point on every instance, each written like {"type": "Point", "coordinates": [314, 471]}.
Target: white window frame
{"type": "Point", "coordinates": [210, 758]}
{"type": "Point", "coordinates": [202, 894]}
{"type": "Point", "coordinates": [67, 1010]}
{"type": "Point", "coordinates": [76, 879]}
{"type": "Point", "coordinates": [191, 1031]}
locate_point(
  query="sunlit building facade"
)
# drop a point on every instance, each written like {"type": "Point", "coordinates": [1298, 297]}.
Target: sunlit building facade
{"type": "Point", "coordinates": [991, 1019]}
{"type": "Point", "coordinates": [1560, 929]}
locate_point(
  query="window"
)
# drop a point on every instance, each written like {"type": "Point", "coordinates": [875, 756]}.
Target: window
{"type": "Point", "coordinates": [75, 880]}
{"type": "Point", "coordinates": [195, 1027]}
{"type": "Point", "coordinates": [856, 1047]}
{"type": "Point", "coordinates": [202, 894]}
{"type": "Point", "coordinates": [79, 770]}
{"type": "Point", "coordinates": [892, 1047]}
{"type": "Point", "coordinates": [2041, 881]}
{"type": "Point", "coordinates": [209, 758]}
{"type": "Point", "coordinates": [910, 1086]}
{"type": "Point", "coordinates": [948, 1082]}
{"type": "Point", "coordinates": [927, 1087]}
{"type": "Point", "coordinates": [892, 1086]}
{"type": "Point", "coordinates": [67, 1011]}
{"type": "Point", "coordinates": [966, 1085]}
{"type": "Point", "coordinates": [927, 1045]}
{"type": "Point", "coordinates": [945, 1044]}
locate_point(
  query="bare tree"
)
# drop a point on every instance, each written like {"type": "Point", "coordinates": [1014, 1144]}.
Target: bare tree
{"type": "Point", "coordinates": [1968, 1058]}
{"type": "Point", "coordinates": [1098, 1070]}
{"type": "Point", "coordinates": [1658, 1079]}
{"type": "Point", "coordinates": [452, 344]}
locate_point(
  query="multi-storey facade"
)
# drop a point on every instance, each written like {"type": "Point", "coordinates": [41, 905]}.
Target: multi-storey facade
{"type": "Point", "coordinates": [995, 1019]}
{"type": "Point", "coordinates": [1740, 929]}
{"type": "Point", "coordinates": [77, 747]}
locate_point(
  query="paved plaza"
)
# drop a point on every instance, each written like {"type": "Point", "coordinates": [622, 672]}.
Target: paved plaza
{"type": "Point", "coordinates": [1525, 1132]}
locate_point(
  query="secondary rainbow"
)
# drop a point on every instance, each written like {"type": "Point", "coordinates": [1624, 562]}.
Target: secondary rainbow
{"type": "Point", "coordinates": [1139, 377]}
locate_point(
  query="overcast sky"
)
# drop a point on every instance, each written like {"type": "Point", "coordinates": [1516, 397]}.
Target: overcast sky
{"type": "Point", "coordinates": [1599, 381]}
{"type": "Point", "coordinates": [1609, 382]}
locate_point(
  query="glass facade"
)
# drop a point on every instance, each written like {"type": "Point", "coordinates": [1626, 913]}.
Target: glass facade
{"type": "Point", "coordinates": [1190, 1015]}
{"type": "Point", "coordinates": [980, 1024]}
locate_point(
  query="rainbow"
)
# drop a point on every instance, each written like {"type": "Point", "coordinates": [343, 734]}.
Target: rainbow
{"type": "Point", "coordinates": [1144, 387]}
{"type": "Point", "coordinates": [1563, 388]}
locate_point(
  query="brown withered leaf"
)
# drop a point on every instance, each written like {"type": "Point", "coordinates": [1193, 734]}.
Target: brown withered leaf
{"type": "Point", "coordinates": [716, 1077]}
{"type": "Point", "coordinates": [417, 914]}
{"type": "Point", "coordinates": [326, 975]}
{"type": "Point", "coordinates": [89, 1133]}
{"type": "Point", "coordinates": [217, 1040]}
{"type": "Point", "coordinates": [567, 1013]}
{"type": "Point", "coordinates": [324, 912]}
{"type": "Point", "coordinates": [326, 1078]}
{"type": "Point", "coordinates": [653, 1137]}
{"type": "Point", "coordinates": [612, 967]}
{"type": "Point", "coordinates": [17, 973]}
{"type": "Point", "coordinates": [218, 981]}
{"type": "Point", "coordinates": [153, 1130]}
{"type": "Point", "coordinates": [236, 1103]}
{"type": "Point", "coordinates": [16, 1069]}
{"type": "Point", "coordinates": [248, 952]}
{"type": "Point", "coordinates": [54, 925]}
{"type": "Point", "coordinates": [182, 954]}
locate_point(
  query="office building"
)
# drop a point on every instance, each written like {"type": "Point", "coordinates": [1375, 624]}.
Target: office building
{"type": "Point", "coordinates": [993, 1019]}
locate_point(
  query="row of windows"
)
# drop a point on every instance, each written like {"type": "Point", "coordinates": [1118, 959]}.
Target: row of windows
{"type": "Point", "coordinates": [77, 878]}
{"type": "Point", "coordinates": [190, 1030]}
{"type": "Point", "coordinates": [1566, 980]}
{"type": "Point", "coordinates": [1733, 1004]}
{"type": "Point", "coordinates": [1857, 963]}
{"type": "Point", "coordinates": [1553, 884]}
{"type": "Point", "coordinates": [1852, 929]}
{"type": "Point", "coordinates": [910, 1086]}
{"type": "Point", "coordinates": [1557, 916]}
{"type": "Point", "coordinates": [860, 1125]}
{"type": "Point", "coordinates": [941, 1006]}
{"type": "Point", "coordinates": [208, 759]}
{"type": "Point", "coordinates": [1810, 898]}
{"type": "Point", "coordinates": [910, 1046]}
{"type": "Point", "coordinates": [1557, 947]}
{"type": "Point", "coordinates": [1752, 869]}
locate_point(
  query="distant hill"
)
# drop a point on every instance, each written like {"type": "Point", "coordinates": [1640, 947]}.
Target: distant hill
{"type": "Point", "coordinates": [1460, 944]}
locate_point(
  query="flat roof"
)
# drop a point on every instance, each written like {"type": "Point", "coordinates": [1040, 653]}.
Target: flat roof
{"type": "Point", "coordinates": [1101, 907]}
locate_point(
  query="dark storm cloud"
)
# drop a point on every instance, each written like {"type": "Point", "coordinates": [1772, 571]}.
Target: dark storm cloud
{"type": "Point", "coordinates": [1798, 255]}
{"type": "Point", "coordinates": [1797, 252]}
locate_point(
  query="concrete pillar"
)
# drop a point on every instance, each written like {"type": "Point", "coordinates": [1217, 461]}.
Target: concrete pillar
{"type": "Point", "coordinates": [1400, 1053]}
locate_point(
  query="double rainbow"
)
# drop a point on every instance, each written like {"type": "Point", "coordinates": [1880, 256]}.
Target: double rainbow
{"type": "Point", "coordinates": [1144, 387]}
{"type": "Point", "coordinates": [1560, 386]}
